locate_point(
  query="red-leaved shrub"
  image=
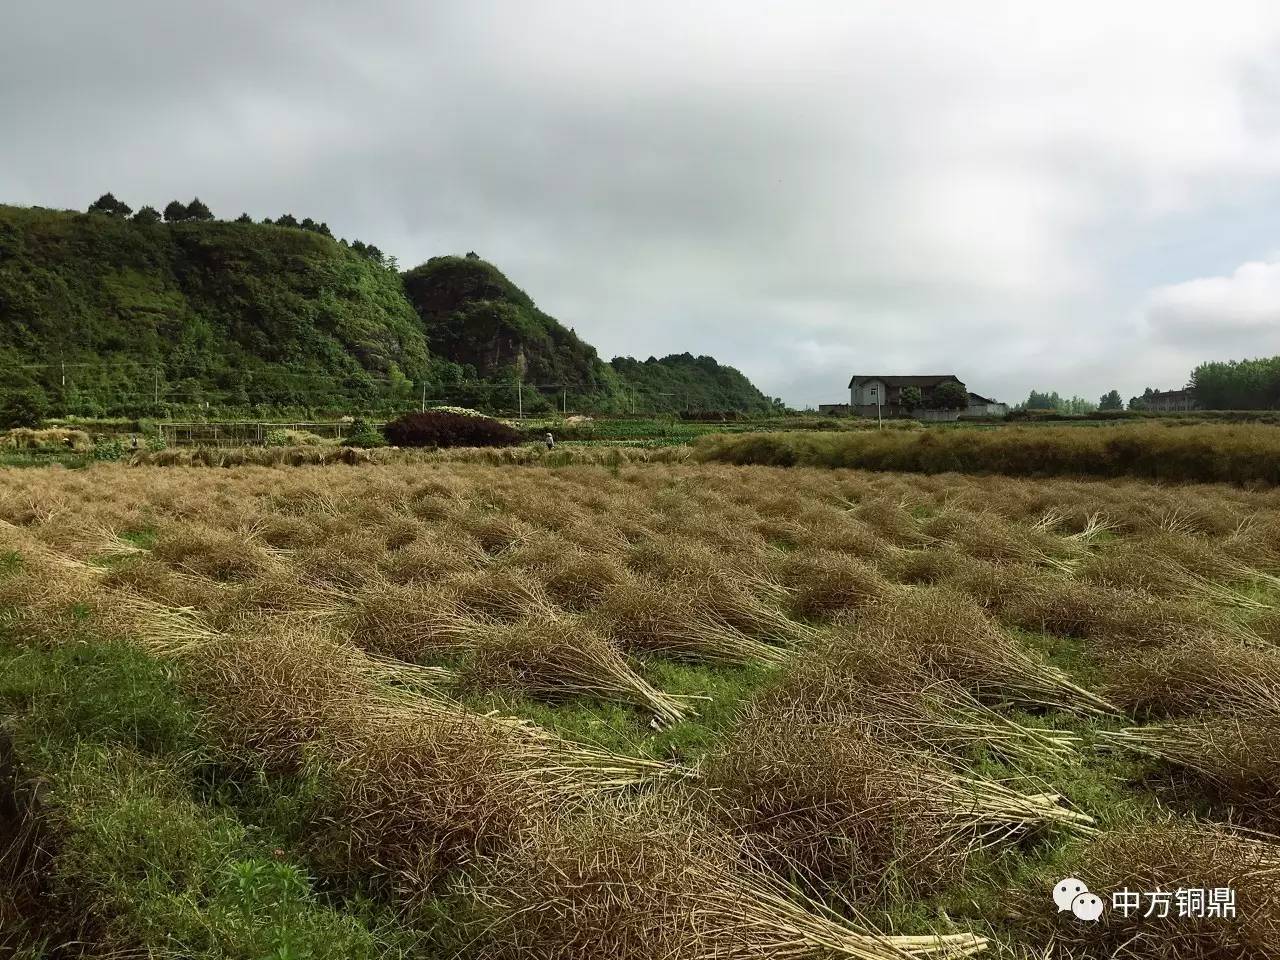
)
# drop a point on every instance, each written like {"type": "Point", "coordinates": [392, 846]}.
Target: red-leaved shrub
{"type": "Point", "coordinates": [439, 428]}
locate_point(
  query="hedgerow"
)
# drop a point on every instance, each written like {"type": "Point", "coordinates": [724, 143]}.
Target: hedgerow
{"type": "Point", "coordinates": [1237, 453]}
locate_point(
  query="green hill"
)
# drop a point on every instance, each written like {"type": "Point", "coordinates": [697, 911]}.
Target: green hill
{"type": "Point", "coordinates": [682, 381]}
{"type": "Point", "coordinates": [229, 314]}
{"type": "Point", "coordinates": [482, 321]}
{"type": "Point", "coordinates": [100, 315]}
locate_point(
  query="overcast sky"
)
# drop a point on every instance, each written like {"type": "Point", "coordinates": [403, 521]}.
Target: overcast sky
{"type": "Point", "coordinates": [1072, 196]}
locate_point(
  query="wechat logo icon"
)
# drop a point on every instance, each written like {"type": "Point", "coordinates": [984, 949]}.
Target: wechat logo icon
{"type": "Point", "coordinates": [1073, 895]}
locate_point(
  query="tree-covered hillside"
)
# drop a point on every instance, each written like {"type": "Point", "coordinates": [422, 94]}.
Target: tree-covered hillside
{"type": "Point", "coordinates": [682, 381]}
{"type": "Point", "coordinates": [478, 318]}
{"type": "Point", "coordinates": [108, 315]}
{"type": "Point", "coordinates": [481, 320]}
{"type": "Point", "coordinates": [103, 313]}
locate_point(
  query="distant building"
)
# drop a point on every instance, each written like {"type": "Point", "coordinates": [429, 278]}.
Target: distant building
{"type": "Point", "coordinates": [980, 406]}
{"type": "Point", "coordinates": [834, 409]}
{"type": "Point", "coordinates": [870, 395]}
{"type": "Point", "coordinates": [1166, 401]}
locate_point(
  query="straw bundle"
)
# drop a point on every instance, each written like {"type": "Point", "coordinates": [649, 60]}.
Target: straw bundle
{"type": "Point", "coordinates": [829, 799]}
{"type": "Point", "coordinates": [652, 617]}
{"type": "Point", "coordinates": [646, 881]}
{"type": "Point", "coordinates": [1171, 855]}
{"type": "Point", "coordinates": [951, 637]}
{"type": "Point", "coordinates": [560, 657]}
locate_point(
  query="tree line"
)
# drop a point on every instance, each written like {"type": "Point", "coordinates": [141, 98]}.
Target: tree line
{"type": "Point", "coordinates": [197, 210]}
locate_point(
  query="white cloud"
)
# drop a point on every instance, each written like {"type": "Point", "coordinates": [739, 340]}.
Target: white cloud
{"type": "Point", "coordinates": [987, 186]}
{"type": "Point", "coordinates": [1240, 310]}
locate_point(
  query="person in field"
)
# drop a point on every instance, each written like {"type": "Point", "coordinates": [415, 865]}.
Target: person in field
{"type": "Point", "coordinates": [549, 440]}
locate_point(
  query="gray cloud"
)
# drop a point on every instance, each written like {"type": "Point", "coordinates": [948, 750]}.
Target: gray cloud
{"type": "Point", "coordinates": [797, 189]}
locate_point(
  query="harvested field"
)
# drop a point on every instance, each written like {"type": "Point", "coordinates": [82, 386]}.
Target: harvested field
{"type": "Point", "coordinates": [640, 710]}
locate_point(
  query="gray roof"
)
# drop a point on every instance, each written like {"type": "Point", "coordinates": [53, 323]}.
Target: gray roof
{"type": "Point", "coordinates": [919, 380]}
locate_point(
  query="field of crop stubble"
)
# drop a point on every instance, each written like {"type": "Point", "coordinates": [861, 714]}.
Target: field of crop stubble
{"type": "Point", "coordinates": [663, 710]}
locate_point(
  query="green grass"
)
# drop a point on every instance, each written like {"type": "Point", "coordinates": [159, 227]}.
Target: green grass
{"type": "Point", "coordinates": [155, 848]}
{"type": "Point", "coordinates": [715, 693]}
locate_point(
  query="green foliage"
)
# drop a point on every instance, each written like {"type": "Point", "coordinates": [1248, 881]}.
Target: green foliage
{"type": "Point", "coordinates": [108, 204]}
{"type": "Point", "coordinates": [1111, 401]}
{"type": "Point", "coordinates": [948, 396]}
{"type": "Point", "coordinates": [364, 437]}
{"type": "Point", "coordinates": [685, 382]}
{"type": "Point", "coordinates": [111, 450]}
{"type": "Point", "coordinates": [147, 216]}
{"type": "Point", "coordinates": [1196, 453]}
{"type": "Point", "coordinates": [1142, 402]}
{"type": "Point", "coordinates": [196, 210]}
{"type": "Point", "coordinates": [490, 327]}
{"type": "Point", "coordinates": [258, 321]}
{"type": "Point", "coordinates": [107, 693]}
{"type": "Point", "coordinates": [243, 317]}
{"type": "Point", "coordinates": [911, 398]}
{"type": "Point", "coordinates": [1051, 401]}
{"type": "Point", "coordinates": [1238, 384]}
{"type": "Point", "coordinates": [23, 406]}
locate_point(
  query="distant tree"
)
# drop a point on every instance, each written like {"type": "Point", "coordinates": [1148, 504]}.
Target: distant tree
{"type": "Point", "coordinates": [911, 398]}
{"type": "Point", "coordinates": [287, 220]}
{"type": "Point", "coordinates": [196, 210]}
{"type": "Point", "coordinates": [373, 253]}
{"type": "Point", "coordinates": [1042, 401]}
{"type": "Point", "coordinates": [108, 204]}
{"type": "Point", "coordinates": [949, 396]}
{"type": "Point", "coordinates": [1111, 401]}
{"type": "Point", "coordinates": [1077, 405]}
{"type": "Point", "coordinates": [1143, 402]}
{"type": "Point", "coordinates": [23, 406]}
{"type": "Point", "coordinates": [244, 218]}
{"type": "Point", "coordinates": [175, 212]}
{"type": "Point", "coordinates": [323, 228]}
{"type": "Point", "coordinates": [308, 224]}
{"type": "Point", "coordinates": [358, 246]}
{"type": "Point", "coordinates": [267, 222]}
{"type": "Point", "coordinates": [147, 214]}
{"type": "Point", "coordinates": [472, 255]}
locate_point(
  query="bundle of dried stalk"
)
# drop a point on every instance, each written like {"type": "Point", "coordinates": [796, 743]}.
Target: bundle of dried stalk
{"type": "Point", "coordinates": [950, 636]}
{"type": "Point", "coordinates": [835, 803]}
{"type": "Point", "coordinates": [904, 703]}
{"type": "Point", "coordinates": [1170, 855]}
{"type": "Point", "coordinates": [651, 880]}
{"type": "Point", "coordinates": [1237, 752]}
{"type": "Point", "coordinates": [653, 617]}
{"type": "Point", "coordinates": [1204, 672]}
{"type": "Point", "coordinates": [821, 583]}
{"type": "Point", "coordinates": [1092, 611]}
{"type": "Point", "coordinates": [560, 657]}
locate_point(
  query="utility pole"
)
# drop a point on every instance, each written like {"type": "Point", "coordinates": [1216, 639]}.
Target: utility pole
{"type": "Point", "coordinates": [424, 396]}
{"type": "Point", "coordinates": [157, 386]}
{"type": "Point", "coordinates": [520, 397]}
{"type": "Point", "coordinates": [876, 393]}
{"type": "Point", "coordinates": [564, 402]}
